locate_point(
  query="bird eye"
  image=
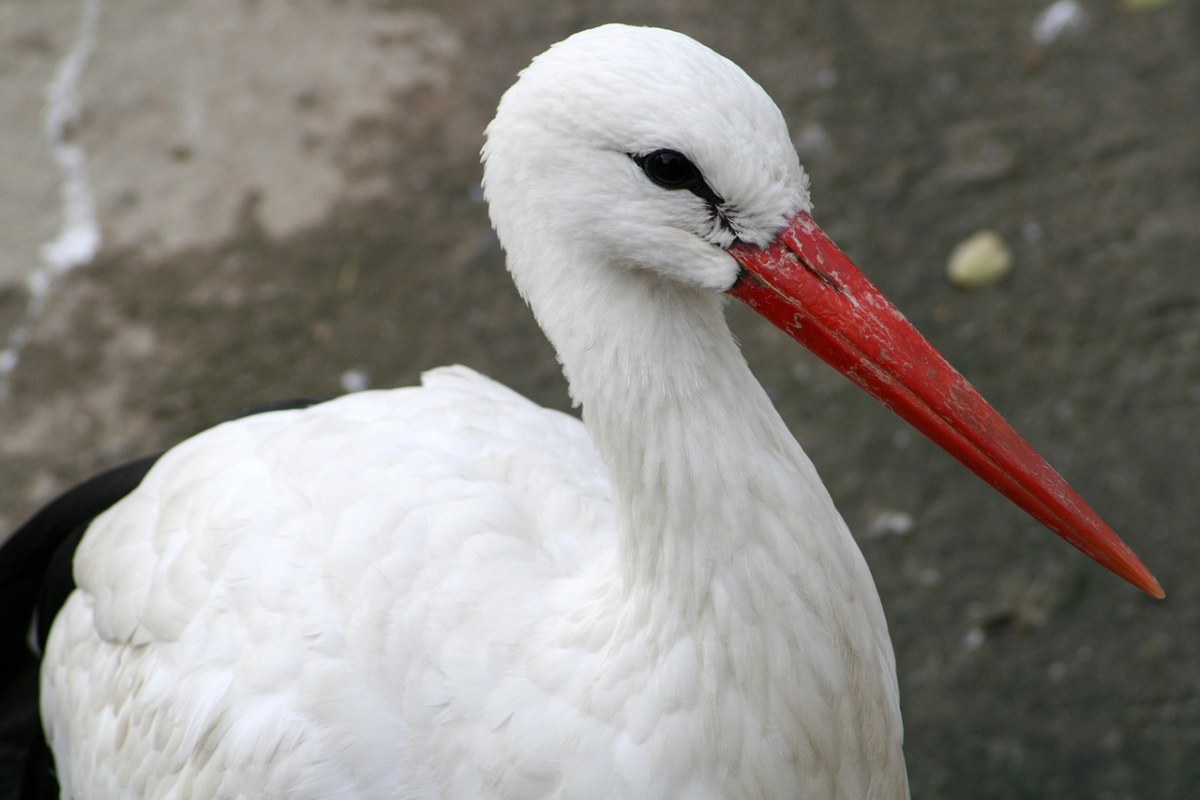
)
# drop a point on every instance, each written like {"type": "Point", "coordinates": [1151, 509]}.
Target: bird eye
{"type": "Point", "coordinates": [669, 169]}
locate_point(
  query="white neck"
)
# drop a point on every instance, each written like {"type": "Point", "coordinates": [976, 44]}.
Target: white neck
{"type": "Point", "coordinates": [709, 484]}
{"type": "Point", "coordinates": [693, 447]}
{"type": "Point", "coordinates": [726, 534]}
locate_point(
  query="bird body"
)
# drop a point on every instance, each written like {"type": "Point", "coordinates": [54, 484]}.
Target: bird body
{"type": "Point", "coordinates": [424, 588]}
{"type": "Point", "coordinates": [448, 592]}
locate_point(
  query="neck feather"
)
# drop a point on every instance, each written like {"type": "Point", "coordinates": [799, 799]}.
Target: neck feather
{"type": "Point", "coordinates": [711, 488]}
{"type": "Point", "coordinates": [736, 576]}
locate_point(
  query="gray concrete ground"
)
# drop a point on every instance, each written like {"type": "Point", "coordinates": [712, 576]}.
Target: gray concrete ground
{"type": "Point", "coordinates": [272, 198]}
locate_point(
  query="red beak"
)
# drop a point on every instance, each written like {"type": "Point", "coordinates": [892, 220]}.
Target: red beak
{"type": "Point", "coordinates": [806, 286]}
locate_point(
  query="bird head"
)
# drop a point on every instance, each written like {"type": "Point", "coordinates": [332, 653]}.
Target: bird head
{"type": "Point", "coordinates": [632, 153]}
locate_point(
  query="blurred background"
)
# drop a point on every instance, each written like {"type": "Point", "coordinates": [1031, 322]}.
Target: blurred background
{"type": "Point", "coordinates": [210, 205]}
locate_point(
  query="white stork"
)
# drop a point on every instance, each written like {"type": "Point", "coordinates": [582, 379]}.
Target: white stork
{"type": "Point", "coordinates": [448, 592]}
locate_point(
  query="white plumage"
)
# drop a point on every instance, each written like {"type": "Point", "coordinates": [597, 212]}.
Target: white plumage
{"type": "Point", "coordinates": [448, 592]}
{"type": "Point", "coordinates": [418, 593]}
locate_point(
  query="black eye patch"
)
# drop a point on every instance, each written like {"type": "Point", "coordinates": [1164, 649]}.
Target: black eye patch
{"type": "Point", "coordinates": [672, 170]}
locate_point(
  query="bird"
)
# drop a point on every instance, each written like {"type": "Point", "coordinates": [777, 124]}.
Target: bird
{"type": "Point", "coordinates": [447, 591]}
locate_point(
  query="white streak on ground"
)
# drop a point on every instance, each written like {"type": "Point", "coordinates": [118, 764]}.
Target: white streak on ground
{"type": "Point", "coordinates": [78, 237]}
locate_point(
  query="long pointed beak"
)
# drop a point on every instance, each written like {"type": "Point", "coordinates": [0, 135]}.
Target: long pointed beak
{"type": "Point", "coordinates": [806, 286]}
